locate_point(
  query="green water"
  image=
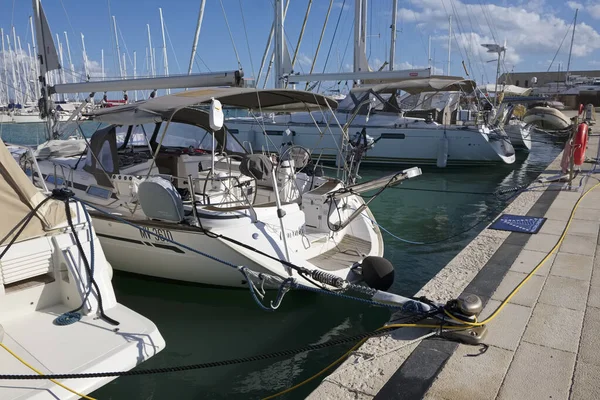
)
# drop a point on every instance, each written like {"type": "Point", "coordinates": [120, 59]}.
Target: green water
{"type": "Point", "coordinates": [202, 324]}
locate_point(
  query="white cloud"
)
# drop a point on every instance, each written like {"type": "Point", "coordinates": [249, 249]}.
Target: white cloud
{"type": "Point", "coordinates": [573, 5]}
{"type": "Point", "coordinates": [340, 4]}
{"type": "Point", "coordinates": [591, 6]}
{"type": "Point", "coordinates": [303, 59]}
{"type": "Point", "coordinates": [529, 30]}
{"type": "Point", "coordinates": [95, 69]}
{"type": "Point", "coordinates": [593, 10]}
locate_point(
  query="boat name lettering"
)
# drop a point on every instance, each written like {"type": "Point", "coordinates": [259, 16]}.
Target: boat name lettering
{"type": "Point", "coordinates": [290, 234]}
{"type": "Point", "coordinates": [156, 234]}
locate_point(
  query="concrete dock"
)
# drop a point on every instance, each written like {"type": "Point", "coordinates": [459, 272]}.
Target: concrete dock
{"type": "Point", "coordinates": [543, 345]}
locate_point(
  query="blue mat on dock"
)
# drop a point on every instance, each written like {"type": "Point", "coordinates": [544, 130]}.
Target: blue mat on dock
{"type": "Point", "coordinates": [518, 223]}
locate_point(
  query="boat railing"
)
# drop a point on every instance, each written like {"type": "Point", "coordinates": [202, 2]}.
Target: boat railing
{"type": "Point", "coordinates": [35, 168]}
{"type": "Point", "coordinates": [191, 182]}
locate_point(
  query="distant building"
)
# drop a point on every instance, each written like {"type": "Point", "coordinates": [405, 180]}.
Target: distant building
{"type": "Point", "coordinates": [523, 79]}
{"type": "Point", "coordinates": [582, 88]}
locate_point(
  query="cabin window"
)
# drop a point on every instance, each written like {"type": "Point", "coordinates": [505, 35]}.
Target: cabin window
{"type": "Point", "coordinates": [99, 192]}
{"type": "Point", "coordinates": [393, 136]}
{"type": "Point", "coordinates": [55, 180]}
{"type": "Point", "coordinates": [234, 131]}
{"type": "Point", "coordinates": [517, 84]}
{"type": "Point", "coordinates": [278, 133]}
{"type": "Point", "coordinates": [526, 83]}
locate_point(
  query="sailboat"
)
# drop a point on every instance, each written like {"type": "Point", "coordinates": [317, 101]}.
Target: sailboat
{"type": "Point", "coordinates": [192, 185]}
{"type": "Point", "coordinates": [372, 114]}
{"type": "Point", "coordinates": [58, 310]}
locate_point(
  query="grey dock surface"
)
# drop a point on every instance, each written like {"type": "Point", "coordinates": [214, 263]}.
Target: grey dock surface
{"type": "Point", "coordinates": [545, 344]}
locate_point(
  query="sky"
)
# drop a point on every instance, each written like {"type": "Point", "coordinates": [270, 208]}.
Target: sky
{"type": "Point", "coordinates": [532, 29]}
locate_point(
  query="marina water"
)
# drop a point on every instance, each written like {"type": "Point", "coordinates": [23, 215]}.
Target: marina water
{"type": "Point", "coordinates": [203, 324]}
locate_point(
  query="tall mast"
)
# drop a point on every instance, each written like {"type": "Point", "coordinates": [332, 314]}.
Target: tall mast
{"type": "Point", "coordinates": [301, 35]}
{"type": "Point", "coordinates": [152, 71]}
{"type": "Point", "coordinates": [62, 71]}
{"type": "Point", "coordinates": [25, 74]}
{"type": "Point", "coordinates": [30, 74]}
{"type": "Point", "coordinates": [135, 73]}
{"type": "Point", "coordinates": [85, 59]}
{"type": "Point", "coordinates": [124, 66]}
{"type": "Point", "coordinates": [450, 43]}
{"type": "Point", "coordinates": [165, 59]}
{"type": "Point", "coordinates": [267, 48]}
{"type": "Point", "coordinates": [102, 58]}
{"type": "Point", "coordinates": [393, 38]}
{"type": "Point", "coordinates": [69, 55]}
{"type": "Point", "coordinates": [429, 53]}
{"type": "Point", "coordinates": [14, 74]}
{"type": "Point", "coordinates": [5, 80]}
{"type": "Point", "coordinates": [571, 49]}
{"type": "Point", "coordinates": [360, 35]}
{"type": "Point", "coordinates": [197, 35]}
{"type": "Point", "coordinates": [279, 41]}
{"type": "Point", "coordinates": [118, 48]}
{"type": "Point", "coordinates": [16, 65]}
{"type": "Point", "coordinates": [35, 65]}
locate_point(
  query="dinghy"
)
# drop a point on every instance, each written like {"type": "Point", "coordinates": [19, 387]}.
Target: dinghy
{"type": "Point", "coordinates": [547, 118]}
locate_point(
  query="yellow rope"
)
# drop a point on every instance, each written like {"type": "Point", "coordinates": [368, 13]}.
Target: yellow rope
{"type": "Point", "coordinates": [520, 285]}
{"type": "Point", "coordinates": [41, 373]}
{"type": "Point", "coordinates": [464, 323]}
{"type": "Point", "coordinates": [346, 354]}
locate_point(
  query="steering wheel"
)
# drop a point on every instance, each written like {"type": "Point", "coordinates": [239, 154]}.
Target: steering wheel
{"type": "Point", "coordinates": [299, 154]}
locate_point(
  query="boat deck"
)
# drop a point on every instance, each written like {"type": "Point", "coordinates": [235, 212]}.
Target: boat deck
{"type": "Point", "coordinates": [350, 250]}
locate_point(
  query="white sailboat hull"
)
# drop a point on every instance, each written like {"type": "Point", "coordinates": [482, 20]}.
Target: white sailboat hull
{"type": "Point", "coordinates": [520, 135]}
{"type": "Point", "coordinates": [398, 144]}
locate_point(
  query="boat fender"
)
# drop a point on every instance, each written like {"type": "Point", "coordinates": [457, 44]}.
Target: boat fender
{"type": "Point", "coordinates": [378, 273]}
{"type": "Point", "coordinates": [580, 144]}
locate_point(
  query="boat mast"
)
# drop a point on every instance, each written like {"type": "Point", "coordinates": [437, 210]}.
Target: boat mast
{"type": "Point", "coordinates": [393, 38]}
{"type": "Point", "coordinates": [5, 80]}
{"type": "Point", "coordinates": [102, 63]}
{"type": "Point", "coordinates": [85, 59]}
{"type": "Point", "coordinates": [14, 74]}
{"type": "Point", "coordinates": [301, 32]}
{"type": "Point", "coordinates": [62, 71]}
{"type": "Point", "coordinates": [69, 55]}
{"type": "Point", "coordinates": [197, 36]}
{"type": "Point", "coordinates": [571, 49]}
{"type": "Point", "coordinates": [429, 53]}
{"type": "Point", "coordinates": [24, 75]}
{"type": "Point", "coordinates": [314, 61]}
{"type": "Point", "coordinates": [135, 73]}
{"type": "Point", "coordinates": [16, 65]}
{"type": "Point", "coordinates": [279, 42]}
{"type": "Point", "coordinates": [165, 58]}
{"type": "Point", "coordinates": [35, 66]}
{"type": "Point", "coordinates": [450, 43]}
{"type": "Point", "coordinates": [264, 58]}
{"type": "Point", "coordinates": [118, 48]}
{"type": "Point", "coordinates": [152, 71]}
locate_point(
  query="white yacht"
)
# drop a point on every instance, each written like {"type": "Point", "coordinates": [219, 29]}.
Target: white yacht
{"type": "Point", "coordinates": [58, 311]}
{"type": "Point", "coordinates": [375, 112]}
{"type": "Point", "coordinates": [185, 182]}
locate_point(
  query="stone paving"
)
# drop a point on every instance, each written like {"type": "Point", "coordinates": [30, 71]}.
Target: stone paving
{"type": "Point", "coordinates": [544, 344]}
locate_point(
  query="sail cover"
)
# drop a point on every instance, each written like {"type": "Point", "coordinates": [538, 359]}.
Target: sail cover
{"type": "Point", "coordinates": [18, 197]}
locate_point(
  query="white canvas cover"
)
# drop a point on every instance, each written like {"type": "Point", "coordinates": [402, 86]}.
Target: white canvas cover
{"type": "Point", "coordinates": [18, 196]}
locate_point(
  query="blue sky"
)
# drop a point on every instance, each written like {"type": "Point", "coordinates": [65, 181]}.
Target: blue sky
{"type": "Point", "coordinates": [532, 29]}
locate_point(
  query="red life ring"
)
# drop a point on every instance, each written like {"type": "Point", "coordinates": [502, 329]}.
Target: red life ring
{"type": "Point", "coordinates": [580, 144]}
